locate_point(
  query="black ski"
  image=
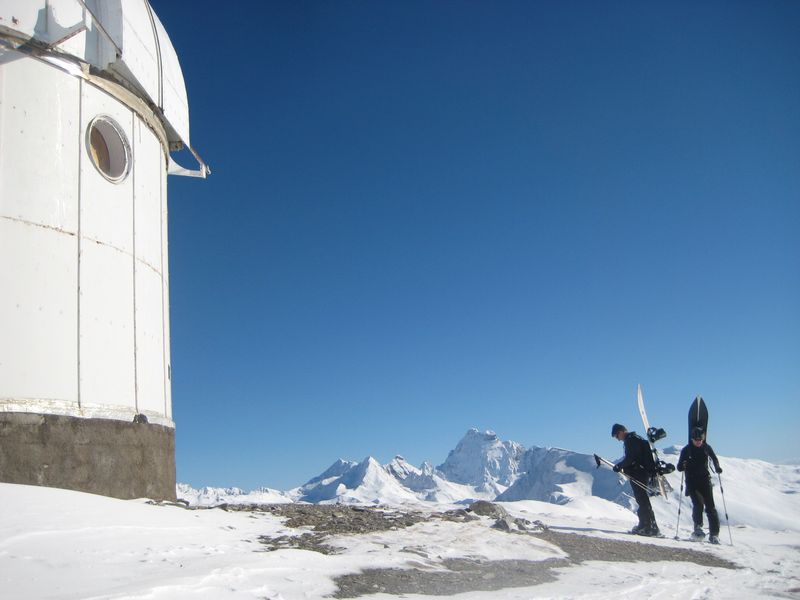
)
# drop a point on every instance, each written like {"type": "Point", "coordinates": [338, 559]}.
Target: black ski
{"type": "Point", "coordinates": [698, 417]}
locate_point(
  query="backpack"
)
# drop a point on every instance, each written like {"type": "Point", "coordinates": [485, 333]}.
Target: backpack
{"type": "Point", "coordinates": [646, 460]}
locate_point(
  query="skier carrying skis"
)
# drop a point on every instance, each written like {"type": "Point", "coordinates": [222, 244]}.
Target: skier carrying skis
{"type": "Point", "coordinates": [639, 465]}
{"type": "Point", "coordinates": [694, 460]}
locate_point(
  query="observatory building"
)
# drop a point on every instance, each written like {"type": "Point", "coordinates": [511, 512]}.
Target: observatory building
{"type": "Point", "coordinates": [92, 102]}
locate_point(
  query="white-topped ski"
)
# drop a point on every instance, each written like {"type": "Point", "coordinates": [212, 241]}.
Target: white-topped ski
{"type": "Point", "coordinates": [659, 478]}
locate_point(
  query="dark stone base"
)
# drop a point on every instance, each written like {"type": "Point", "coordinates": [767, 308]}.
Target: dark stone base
{"type": "Point", "coordinates": [100, 456]}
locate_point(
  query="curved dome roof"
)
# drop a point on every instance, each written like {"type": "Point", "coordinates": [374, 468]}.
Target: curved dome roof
{"type": "Point", "coordinates": [122, 38]}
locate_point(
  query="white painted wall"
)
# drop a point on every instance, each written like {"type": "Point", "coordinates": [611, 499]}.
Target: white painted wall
{"type": "Point", "coordinates": [149, 284]}
{"type": "Point", "coordinates": [38, 309]}
{"type": "Point", "coordinates": [38, 227]}
{"type": "Point", "coordinates": [84, 299]}
{"type": "Point", "coordinates": [38, 149]}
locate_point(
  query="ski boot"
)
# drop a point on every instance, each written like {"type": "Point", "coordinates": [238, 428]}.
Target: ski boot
{"type": "Point", "coordinates": [713, 539]}
{"type": "Point", "coordinates": [653, 531]}
{"type": "Point", "coordinates": [698, 533]}
{"type": "Point", "coordinates": [638, 529]}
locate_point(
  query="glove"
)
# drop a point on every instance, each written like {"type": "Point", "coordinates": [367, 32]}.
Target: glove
{"type": "Point", "coordinates": [718, 469]}
{"type": "Point", "coordinates": [683, 465]}
{"type": "Point", "coordinates": [617, 469]}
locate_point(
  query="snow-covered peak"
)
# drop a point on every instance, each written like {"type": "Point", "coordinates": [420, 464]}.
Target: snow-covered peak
{"type": "Point", "coordinates": [557, 475]}
{"type": "Point", "coordinates": [210, 496]}
{"type": "Point", "coordinates": [484, 461]}
{"type": "Point", "coordinates": [367, 482]}
{"type": "Point", "coordinates": [337, 469]}
{"type": "Point", "coordinates": [401, 468]}
{"type": "Point", "coordinates": [672, 451]}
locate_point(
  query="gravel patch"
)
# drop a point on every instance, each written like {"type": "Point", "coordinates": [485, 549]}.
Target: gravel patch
{"type": "Point", "coordinates": [462, 575]}
{"type": "Point", "coordinates": [324, 521]}
{"type": "Point", "coordinates": [581, 548]}
{"type": "Point", "coordinates": [471, 575]}
{"type": "Point", "coordinates": [455, 576]}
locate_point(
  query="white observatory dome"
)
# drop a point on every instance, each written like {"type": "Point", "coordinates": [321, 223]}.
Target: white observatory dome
{"type": "Point", "coordinates": [122, 40]}
{"type": "Point", "coordinates": [92, 102]}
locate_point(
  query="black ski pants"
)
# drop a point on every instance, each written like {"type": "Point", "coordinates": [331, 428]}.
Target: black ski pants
{"type": "Point", "coordinates": [645, 512]}
{"type": "Point", "coordinates": [701, 492]}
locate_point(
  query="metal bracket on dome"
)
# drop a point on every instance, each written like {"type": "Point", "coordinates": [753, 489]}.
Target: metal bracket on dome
{"type": "Point", "coordinates": [174, 168]}
{"type": "Point", "coordinates": [70, 33]}
{"type": "Point", "coordinates": [100, 26]}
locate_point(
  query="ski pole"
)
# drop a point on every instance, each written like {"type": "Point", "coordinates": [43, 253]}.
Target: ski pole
{"type": "Point", "coordinates": [680, 503]}
{"type": "Point", "coordinates": [727, 520]}
{"type": "Point", "coordinates": [646, 488]}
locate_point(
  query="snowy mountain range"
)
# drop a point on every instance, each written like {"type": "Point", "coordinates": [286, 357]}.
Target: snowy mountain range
{"type": "Point", "coordinates": [484, 467]}
{"type": "Point", "coordinates": [481, 466]}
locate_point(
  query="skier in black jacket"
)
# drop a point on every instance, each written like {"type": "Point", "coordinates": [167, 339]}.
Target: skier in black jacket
{"type": "Point", "coordinates": [694, 460]}
{"type": "Point", "coordinates": [639, 465]}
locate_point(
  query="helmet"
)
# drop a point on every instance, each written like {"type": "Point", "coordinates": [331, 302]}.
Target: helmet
{"type": "Point", "coordinates": [616, 429]}
{"type": "Point", "coordinates": [698, 434]}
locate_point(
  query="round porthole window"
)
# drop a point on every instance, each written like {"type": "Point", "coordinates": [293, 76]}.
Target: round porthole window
{"type": "Point", "coordinates": [109, 149]}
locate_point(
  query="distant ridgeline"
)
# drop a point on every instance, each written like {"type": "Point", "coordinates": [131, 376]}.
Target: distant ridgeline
{"type": "Point", "coordinates": [481, 466]}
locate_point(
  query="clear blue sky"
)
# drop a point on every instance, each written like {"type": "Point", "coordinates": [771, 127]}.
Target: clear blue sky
{"type": "Point", "coordinates": [430, 216]}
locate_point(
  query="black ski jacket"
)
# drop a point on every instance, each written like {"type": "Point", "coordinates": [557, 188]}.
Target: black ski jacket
{"type": "Point", "coordinates": [638, 456]}
{"type": "Point", "coordinates": [694, 461]}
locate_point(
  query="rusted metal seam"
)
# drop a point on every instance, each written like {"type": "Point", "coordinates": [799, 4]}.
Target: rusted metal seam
{"type": "Point", "coordinates": [49, 227]}
{"type": "Point", "coordinates": [156, 270]}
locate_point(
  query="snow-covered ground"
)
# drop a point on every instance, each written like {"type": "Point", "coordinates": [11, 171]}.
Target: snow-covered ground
{"type": "Point", "coordinates": [58, 544]}
{"type": "Point", "coordinates": [61, 544]}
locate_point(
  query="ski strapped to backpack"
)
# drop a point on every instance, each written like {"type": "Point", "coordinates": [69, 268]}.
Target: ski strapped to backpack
{"type": "Point", "coordinates": [659, 468]}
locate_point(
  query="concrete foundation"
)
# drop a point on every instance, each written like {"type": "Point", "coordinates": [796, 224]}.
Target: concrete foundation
{"type": "Point", "coordinates": [100, 456]}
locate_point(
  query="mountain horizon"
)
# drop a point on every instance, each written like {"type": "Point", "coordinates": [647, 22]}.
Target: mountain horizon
{"type": "Point", "coordinates": [484, 467]}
